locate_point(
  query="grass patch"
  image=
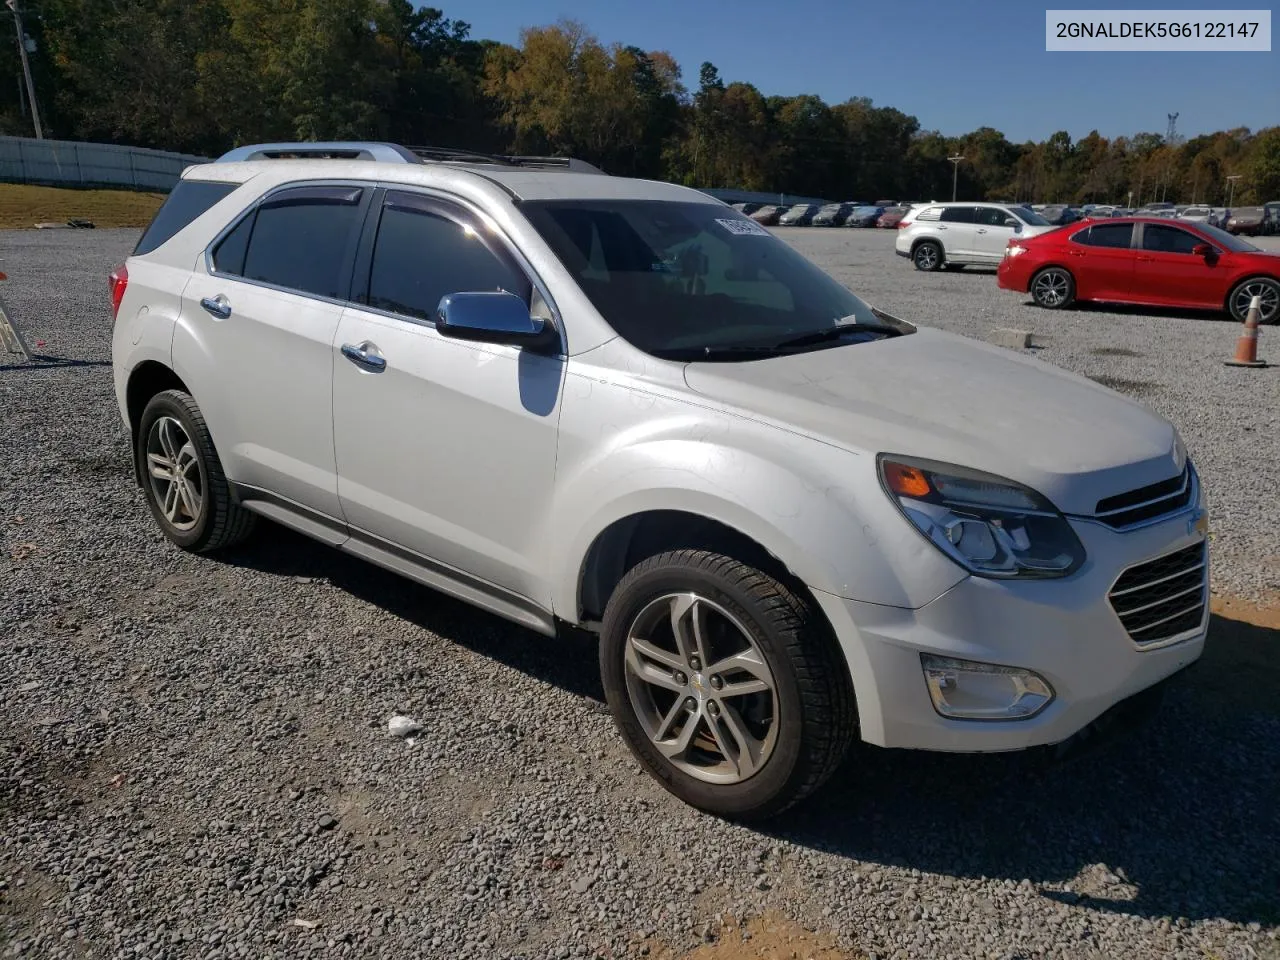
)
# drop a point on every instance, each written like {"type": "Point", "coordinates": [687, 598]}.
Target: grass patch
{"type": "Point", "coordinates": [23, 206]}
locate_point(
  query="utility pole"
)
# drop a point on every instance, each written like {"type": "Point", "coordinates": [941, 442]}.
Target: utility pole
{"type": "Point", "coordinates": [955, 174]}
{"type": "Point", "coordinates": [1231, 183]}
{"type": "Point", "coordinates": [26, 66]}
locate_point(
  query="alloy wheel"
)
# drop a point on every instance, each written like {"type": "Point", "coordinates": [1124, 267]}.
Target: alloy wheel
{"type": "Point", "coordinates": [701, 688]}
{"type": "Point", "coordinates": [926, 256]}
{"type": "Point", "coordinates": [175, 472]}
{"type": "Point", "coordinates": [1051, 288]}
{"type": "Point", "coordinates": [1268, 293]}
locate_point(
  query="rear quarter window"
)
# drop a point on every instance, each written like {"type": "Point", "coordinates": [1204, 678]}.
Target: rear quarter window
{"type": "Point", "coordinates": [188, 200]}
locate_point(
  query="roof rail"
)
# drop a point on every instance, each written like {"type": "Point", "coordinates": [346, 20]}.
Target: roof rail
{"type": "Point", "coordinates": [447, 154]}
{"type": "Point", "coordinates": [333, 150]}
{"type": "Point", "coordinates": [393, 153]}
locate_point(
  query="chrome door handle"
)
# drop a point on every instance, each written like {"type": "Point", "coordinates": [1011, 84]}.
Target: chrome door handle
{"type": "Point", "coordinates": [219, 306]}
{"type": "Point", "coordinates": [982, 229]}
{"type": "Point", "coordinates": [361, 357]}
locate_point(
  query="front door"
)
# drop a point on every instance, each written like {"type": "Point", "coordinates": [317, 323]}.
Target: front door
{"type": "Point", "coordinates": [1168, 271]}
{"type": "Point", "coordinates": [993, 229]}
{"type": "Point", "coordinates": [444, 448]}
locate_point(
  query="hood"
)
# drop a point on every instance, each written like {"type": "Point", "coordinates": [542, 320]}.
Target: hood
{"type": "Point", "coordinates": [944, 397]}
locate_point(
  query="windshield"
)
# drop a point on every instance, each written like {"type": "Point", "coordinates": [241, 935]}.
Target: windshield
{"type": "Point", "coordinates": [1228, 240]}
{"type": "Point", "coordinates": [690, 281]}
{"type": "Point", "coordinates": [1030, 217]}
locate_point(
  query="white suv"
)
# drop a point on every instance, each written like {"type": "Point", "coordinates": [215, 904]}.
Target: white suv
{"type": "Point", "coordinates": [938, 235]}
{"type": "Point", "coordinates": [572, 399]}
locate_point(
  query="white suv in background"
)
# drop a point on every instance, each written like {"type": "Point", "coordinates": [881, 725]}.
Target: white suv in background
{"type": "Point", "coordinates": [573, 399]}
{"type": "Point", "coordinates": [938, 235]}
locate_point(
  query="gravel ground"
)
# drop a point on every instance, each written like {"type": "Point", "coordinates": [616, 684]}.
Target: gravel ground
{"type": "Point", "coordinates": [194, 759]}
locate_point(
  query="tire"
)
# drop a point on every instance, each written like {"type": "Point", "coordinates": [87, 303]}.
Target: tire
{"type": "Point", "coordinates": [200, 516]}
{"type": "Point", "coordinates": [928, 256]}
{"type": "Point", "coordinates": [1053, 288]}
{"type": "Point", "coordinates": [1266, 288]}
{"type": "Point", "coordinates": [801, 723]}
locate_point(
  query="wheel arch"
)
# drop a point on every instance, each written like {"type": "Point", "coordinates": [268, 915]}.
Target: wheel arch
{"type": "Point", "coordinates": [637, 536]}
{"type": "Point", "coordinates": [145, 381]}
{"type": "Point", "coordinates": [928, 239]}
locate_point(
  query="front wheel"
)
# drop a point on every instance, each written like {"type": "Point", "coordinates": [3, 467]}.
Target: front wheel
{"type": "Point", "coordinates": [726, 685]}
{"type": "Point", "coordinates": [1053, 288]}
{"type": "Point", "coordinates": [1266, 290]}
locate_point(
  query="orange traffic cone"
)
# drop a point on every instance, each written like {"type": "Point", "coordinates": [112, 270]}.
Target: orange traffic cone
{"type": "Point", "coordinates": [1247, 344]}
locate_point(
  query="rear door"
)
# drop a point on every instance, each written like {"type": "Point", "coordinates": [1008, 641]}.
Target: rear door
{"type": "Point", "coordinates": [957, 230]}
{"type": "Point", "coordinates": [1103, 260]}
{"type": "Point", "coordinates": [993, 229]}
{"type": "Point", "coordinates": [1167, 271]}
{"type": "Point", "coordinates": [255, 340]}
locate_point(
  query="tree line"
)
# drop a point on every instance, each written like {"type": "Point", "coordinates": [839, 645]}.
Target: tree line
{"type": "Point", "coordinates": [201, 76]}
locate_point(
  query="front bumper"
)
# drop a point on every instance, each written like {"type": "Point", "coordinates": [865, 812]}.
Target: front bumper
{"type": "Point", "coordinates": [1064, 630]}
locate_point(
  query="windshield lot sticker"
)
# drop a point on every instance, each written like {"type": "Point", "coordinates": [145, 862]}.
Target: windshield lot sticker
{"type": "Point", "coordinates": [744, 228]}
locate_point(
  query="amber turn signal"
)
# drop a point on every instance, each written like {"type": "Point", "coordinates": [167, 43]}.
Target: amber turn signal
{"type": "Point", "coordinates": [906, 481]}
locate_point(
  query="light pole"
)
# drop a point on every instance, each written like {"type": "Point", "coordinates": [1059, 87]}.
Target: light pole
{"type": "Point", "coordinates": [1231, 184]}
{"type": "Point", "coordinates": [955, 174]}
{"type": "Point", "coordinates": [26, 67]}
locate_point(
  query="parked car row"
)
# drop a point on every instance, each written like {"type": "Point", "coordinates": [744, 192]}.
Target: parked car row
{"type": "Point", "coordinates": [1253, 220]}
{"type": "Point", "coordinates": [851, 213]}
{"type": "Point", "coordinates": [1153, 258]}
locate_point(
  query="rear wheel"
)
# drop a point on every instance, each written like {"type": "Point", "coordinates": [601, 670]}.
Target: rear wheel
{"type": "Point", "coordinates": [1053, 288]}
{"type": "Point", "coordinates": [726, 685]}
{"type": "Point", "coordinates": [1265, 289]}
{"type": "Point", "coordinates": [927, 256]}
{"type": "Point", "coordinates": [185, 487]}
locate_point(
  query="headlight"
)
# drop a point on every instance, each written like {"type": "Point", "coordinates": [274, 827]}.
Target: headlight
{"type": "Point", "coordinates": [991, 526]}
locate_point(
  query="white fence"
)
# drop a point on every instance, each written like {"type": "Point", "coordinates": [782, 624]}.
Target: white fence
{"type": "Point", "coordinates": [70, 163]}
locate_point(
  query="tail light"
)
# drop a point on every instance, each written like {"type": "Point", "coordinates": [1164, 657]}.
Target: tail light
{"type": "Point", "coordinates": [903, 224]}
{"type": "Point", "coordinates": [119, 280]}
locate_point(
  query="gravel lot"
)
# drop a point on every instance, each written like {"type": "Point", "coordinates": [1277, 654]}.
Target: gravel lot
{"type": "Point", "coordinates": [194, 757]}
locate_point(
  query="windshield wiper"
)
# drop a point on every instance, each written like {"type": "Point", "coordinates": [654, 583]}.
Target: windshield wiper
{"type": "Point", "coordinates": [827, 334]}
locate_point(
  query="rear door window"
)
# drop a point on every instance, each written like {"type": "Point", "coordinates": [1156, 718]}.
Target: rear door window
{"type": "Point", "coordinates": [957, 215]}
{"type": "Point", "coordinates": [1118, 235]}
{"type": "Point", "coordinates": [188, 200]}
{"type": "Point", "coordinates": [302, 239]}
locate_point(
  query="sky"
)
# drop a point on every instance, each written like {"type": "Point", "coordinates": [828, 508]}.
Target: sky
{"type": "Point", "coordinates": [955, 65]}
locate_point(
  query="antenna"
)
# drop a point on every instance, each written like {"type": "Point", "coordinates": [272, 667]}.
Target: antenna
{"type": "Point", "coordinates": [1171, 135]}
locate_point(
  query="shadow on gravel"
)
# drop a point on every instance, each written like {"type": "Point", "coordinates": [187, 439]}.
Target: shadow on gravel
{"type": "Point", "coordinates": [568, 662]}
{"type": "Point", "coordinates": [1182, 808]}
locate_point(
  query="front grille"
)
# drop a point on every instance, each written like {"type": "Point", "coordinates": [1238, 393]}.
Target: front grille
{"type": "Point", "coordinates": [1162, 598]}
{"type": "Point", "coordinates": [1147, 503]}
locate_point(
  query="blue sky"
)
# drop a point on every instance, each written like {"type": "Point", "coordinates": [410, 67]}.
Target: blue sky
{"type": "Point", "coordinates": [955, 65]}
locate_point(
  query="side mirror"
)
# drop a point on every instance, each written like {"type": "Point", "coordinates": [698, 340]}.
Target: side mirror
{"type": "Point", "coordinates": [1017, 227]}
{"type": "Point", "coordinates": [496, 317]}
{"type": "Point", "coordinates": [1202, 250]}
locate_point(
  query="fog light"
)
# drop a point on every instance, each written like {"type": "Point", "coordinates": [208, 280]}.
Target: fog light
{"type": "Point", "coordinates": [966, 690]}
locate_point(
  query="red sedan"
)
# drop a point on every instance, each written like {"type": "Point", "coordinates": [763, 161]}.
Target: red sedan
{"type": "Point", "coordinates": [1144, 260]}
